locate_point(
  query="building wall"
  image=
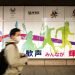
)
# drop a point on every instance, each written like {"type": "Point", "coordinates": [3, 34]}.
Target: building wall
{"type": "Point", "coordinates": [34, 17]}
{"type": "Point", "coordinates": [51, 62]}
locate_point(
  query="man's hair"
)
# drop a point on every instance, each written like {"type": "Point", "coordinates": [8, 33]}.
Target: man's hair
{"type": "Point", "coordinates": [13, 31]}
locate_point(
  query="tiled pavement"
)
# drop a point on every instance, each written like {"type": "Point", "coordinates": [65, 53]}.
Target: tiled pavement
{"type": "Point", "coordinates": [49, 70]}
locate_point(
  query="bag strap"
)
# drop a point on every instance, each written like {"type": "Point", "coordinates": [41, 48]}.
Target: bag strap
{"type": "Point", "coordinates": [8, 43]}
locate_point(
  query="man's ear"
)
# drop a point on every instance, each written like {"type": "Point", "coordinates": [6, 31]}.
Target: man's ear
{"type": "Point", "coordinates": [12, 36]}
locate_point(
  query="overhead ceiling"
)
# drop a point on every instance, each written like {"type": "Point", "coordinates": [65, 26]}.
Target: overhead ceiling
{"type": "Point", "coordinates": [37, 2]}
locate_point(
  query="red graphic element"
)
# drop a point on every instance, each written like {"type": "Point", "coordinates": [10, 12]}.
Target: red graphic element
{"type": "Point", "coordinates": [2, 37]}
{"type": "Point", "coordinates": [72, 53]}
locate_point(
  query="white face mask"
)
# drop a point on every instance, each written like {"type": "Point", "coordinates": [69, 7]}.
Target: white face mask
{"type": "Point", "coordinates": [18, 38]}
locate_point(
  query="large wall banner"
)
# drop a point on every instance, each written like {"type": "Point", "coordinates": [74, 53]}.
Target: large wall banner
{"type": "Point", "coordinates": [46, 31]}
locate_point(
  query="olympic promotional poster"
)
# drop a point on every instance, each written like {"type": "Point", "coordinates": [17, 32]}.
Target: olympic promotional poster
{"type": "Point", "coordinates": [46, 31]}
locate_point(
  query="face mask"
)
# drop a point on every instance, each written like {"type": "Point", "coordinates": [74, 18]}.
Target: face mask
{"type": "Point", "coordinates": [18, 38]}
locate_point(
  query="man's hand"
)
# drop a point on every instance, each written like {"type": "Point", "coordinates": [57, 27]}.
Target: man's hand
{"type": "Point", "coordinates": [23, 55]}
